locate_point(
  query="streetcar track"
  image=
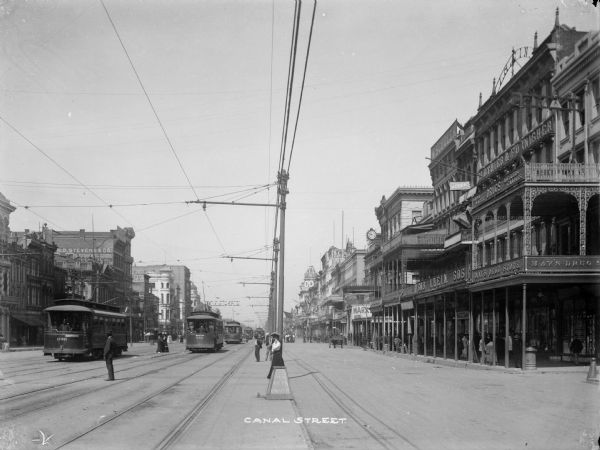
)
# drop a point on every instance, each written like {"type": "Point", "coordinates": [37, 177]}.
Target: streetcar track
{"type": "Point", "coordinates": [54, 386]}
{"type": "Point", "coordinates": [338, 400]}
{"type": "Point", "coordinates": [74, 372]}
{"type": "Point", "coordinates": [60, 399]}
{"type": "Point", "coordinates": [176, 432]}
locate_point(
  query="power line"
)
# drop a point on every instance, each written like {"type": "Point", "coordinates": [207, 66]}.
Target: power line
{"type": "Point", "coordinates": [125, 186]}
{"type": "Point", "coordinates": [290, 83]}
{"type": "Point", "coordinates": [149, 101]}
{"type": "Point", "coordinates": [312, 22]}
{"type": "Point", "coordinates": [255, 190]}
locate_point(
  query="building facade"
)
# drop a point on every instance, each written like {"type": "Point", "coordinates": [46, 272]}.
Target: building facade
{"type": "Point", "coordinates": [101, 260]}
{"type": "Point", "coordinates": [173, 286]}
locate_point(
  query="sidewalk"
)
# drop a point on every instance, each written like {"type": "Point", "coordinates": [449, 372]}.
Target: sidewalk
{"type": "Point", "coordinates": [23, 349]}
{"type": "Point", "coordinates": [582, 368]}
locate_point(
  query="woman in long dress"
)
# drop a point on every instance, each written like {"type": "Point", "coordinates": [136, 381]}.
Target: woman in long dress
{"type": "Point", "coordinates": [277, 353]}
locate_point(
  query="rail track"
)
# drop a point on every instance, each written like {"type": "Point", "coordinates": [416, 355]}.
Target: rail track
{"type": "Point", "coordinates": [175, 433]}
{"type": "Point", "coordinates": [382, 433]}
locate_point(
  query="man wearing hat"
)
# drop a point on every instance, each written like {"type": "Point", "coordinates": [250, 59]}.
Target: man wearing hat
{"type": "Point", "coordinates": [109, 352]}
{"type": "Point", "coordinates": [277, 352]}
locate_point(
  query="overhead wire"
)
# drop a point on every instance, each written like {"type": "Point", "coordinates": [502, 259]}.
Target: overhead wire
{"type": "Point", "coordinates": [149, 100]}
{"type": "Point", "coordinates": [312, 22]}
{"type": "Point", "coordinates": [290, 82]}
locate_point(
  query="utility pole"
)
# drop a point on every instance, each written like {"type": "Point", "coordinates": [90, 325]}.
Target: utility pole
{"type": "Point", "coordinates": [271, 321]}
{"type": "Point", "coordinates": [282, 179]}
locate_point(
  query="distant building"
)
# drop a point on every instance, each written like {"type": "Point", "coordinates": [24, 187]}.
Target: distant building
{"type": "Point", "coordinates": [173, 287]}
{"type": "Point", "coordinates": [148, 303]}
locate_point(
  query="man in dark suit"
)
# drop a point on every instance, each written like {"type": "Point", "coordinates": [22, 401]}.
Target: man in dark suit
{"type": "Point", "coordinates": [109, 352]}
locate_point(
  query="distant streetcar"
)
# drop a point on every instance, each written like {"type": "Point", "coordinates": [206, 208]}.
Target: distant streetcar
{"type": "Point", "coordinates": [233, 332]}
{"type": "Point", "coordinates": [77, 328]}
{"type": "Point", "coordinates": [204, 331]}
{"type": "Point", "coordinates": [248, 334]}
{"type": "Point", "coordinates": [260, 333]}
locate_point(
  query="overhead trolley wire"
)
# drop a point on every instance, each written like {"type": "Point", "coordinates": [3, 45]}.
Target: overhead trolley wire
{"type": "Point", "coordinates": [310, 33]}
{"type": "Point", "coordinates": [149, 101]}
{"type": "Point", "coordinates": [290, 82]}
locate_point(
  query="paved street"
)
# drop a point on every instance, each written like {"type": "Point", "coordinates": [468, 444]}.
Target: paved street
{"type": "Point", "coordinates": [343, 398]}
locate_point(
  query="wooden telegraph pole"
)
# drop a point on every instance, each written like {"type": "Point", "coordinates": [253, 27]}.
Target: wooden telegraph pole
{"type": "Point", "coordinates": [282, 178]}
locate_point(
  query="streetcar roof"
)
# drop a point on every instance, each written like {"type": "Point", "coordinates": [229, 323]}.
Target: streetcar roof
{"type": "Point", "coordinates": [77, 308]}
{"type": "Point", "coordinates": [202, 317]}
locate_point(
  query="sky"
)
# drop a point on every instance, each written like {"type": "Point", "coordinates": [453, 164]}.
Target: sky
{"type": "Point", "coordinates": [118, 112]}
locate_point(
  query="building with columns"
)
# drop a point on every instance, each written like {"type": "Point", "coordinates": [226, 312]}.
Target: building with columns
{"type": "Point", "coordinates": [515, 203]}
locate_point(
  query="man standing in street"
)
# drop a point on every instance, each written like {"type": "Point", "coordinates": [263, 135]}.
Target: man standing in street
{"type": "Point", "coordinates": [257, 347]}
{"type": "Point", "coordinates": [109, 353]}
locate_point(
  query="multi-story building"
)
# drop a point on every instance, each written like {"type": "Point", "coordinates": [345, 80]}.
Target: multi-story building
{"type": "Point", "coordinates": [28, 286]}
{"type": "Point", "coordinates": [328, 300]}
{"type": "Point", "coordinates": [148, 303]}
{"type": "Point", "coordinates": [179, 306]}
{"type": "Point", "coordinates": [526, 175]}
{"type": "Point", "coordinates": [308, 302]}
{"type": "Point", "coordinates": [408, 245]}
{"type": "Point", "coordinates": [532, 272]}
{"type": "Point", "coordinates": [27, 277]}
{"type": "Point", "coordinates": [162, 287]}
{"type": "Point", "coordinates": [351, 286]}
{"type": "Point", "coordinates": [101, 261]}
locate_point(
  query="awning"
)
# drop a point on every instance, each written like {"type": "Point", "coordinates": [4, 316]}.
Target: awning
{"type": "Point", "coordinates": [33, 321]}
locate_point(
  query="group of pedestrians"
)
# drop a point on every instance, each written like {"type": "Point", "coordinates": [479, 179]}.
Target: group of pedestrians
{"type": "Point", "coordinates": [268, 342]}
{"type": "Point", "coordinates": [274, 350]}
{"type": "Point", "coordinates": [162, 343]}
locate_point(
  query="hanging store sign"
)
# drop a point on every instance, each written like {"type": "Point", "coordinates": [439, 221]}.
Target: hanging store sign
{"type": "Point", "coordinates": [562, 263]}
{"type": "Point", "coordinates": [439, 281]}
{"type": "Point", "coordinates": [407, 305]}
{"type": "Point", "coordinates": [500, 186]}
{"type": "Point", "coordinates": [223, 303]}
{"type": "Point", "coordinates": [497, 271]}
{"type": "Point", "coordinates": [543, 130]}
{"type": "Point", "coordinates": [360, 312]}
{"type": "Point", "coordinates": [459, 185]}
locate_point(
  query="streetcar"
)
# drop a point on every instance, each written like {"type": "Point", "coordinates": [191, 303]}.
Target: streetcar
{"type": "Point", "coordinates": [204, 331]}
{"type": "Point", "coordinates": [233, 332]}
{"type": "Point", "coordinates": [77, 328]}
{"type": "Point", "coordinates": [259, 333]}
{"type": "Point", "coordinates": [248, 334]}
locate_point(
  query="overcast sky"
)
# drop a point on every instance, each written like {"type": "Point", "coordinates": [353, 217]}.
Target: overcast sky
{"type": "Point", "coordinates": [130, 103]}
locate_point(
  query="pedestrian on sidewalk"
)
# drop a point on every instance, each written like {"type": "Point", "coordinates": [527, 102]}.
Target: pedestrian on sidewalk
{"type": "Point", "coordinates": [166, 343]}
{"type": "Point", "coordinates": [277, 350]}
{"type": "Point", "coordinates": [509, 346]}
{"type": "Point", "coordinates": [257, 347]}
{"type": "Point", "coordinates": [576, 347]}
{"type": "Point", "coordinates": [268, 340]}
{"type": "Point", "coordinates": [110, 348]}
{"type": "Point", "coordinates": [518, 350]}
